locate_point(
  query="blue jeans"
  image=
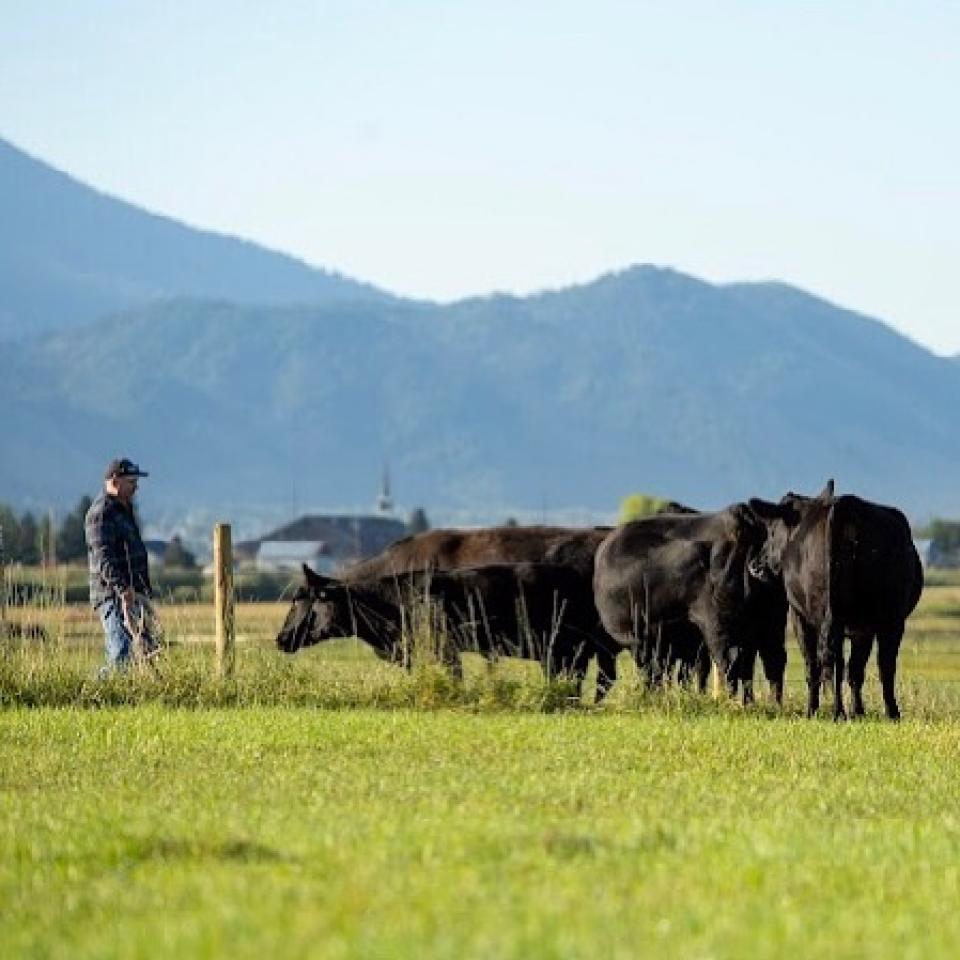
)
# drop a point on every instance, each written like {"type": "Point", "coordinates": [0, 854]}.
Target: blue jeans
{"type": "Point", "coordinates": [118, 640]}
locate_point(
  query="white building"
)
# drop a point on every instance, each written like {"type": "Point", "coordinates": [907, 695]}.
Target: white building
{"type": "Point", "coordinates": [292, 554]}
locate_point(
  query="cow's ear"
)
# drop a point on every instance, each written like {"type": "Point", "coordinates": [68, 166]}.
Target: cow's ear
{"type": "Point", "coordinates": [827, 492]}
{"type": "Point", "coordinates": [315, 581]}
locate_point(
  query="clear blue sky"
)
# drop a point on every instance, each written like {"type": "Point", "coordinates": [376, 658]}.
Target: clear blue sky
{"type": "Point", "coordinates": [445, 149]}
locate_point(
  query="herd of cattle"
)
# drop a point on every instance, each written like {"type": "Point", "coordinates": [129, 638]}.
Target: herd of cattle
{"type": "Point", "coordinates": [681, 590]}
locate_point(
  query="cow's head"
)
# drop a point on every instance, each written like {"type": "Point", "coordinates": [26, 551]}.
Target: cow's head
{"type": "Point", "coordinates": [748, 535]}
{"type": "Point", "coordinates": [782, 520]}
{"type": "Point", "coordinates": [320, 610]}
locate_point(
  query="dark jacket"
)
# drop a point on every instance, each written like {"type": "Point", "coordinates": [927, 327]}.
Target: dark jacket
{"type": "Point", "coordinates": [115, 551]}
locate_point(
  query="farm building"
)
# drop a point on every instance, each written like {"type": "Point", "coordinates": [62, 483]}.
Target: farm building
{"type": "Point", "coordinates": [290, 554]}
{"type": "Point", "coordinates": [341, 539]}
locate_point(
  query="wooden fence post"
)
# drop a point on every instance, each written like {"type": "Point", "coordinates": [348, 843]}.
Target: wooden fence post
{"type": "Point", "coordinates": [223, 599]}
{"type": "Point", "coordinates": [716, 684]}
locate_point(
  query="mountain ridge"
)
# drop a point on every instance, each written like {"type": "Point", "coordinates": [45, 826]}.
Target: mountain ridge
{"type": "Point", "coordinates": [70, 253]}
{"type": "Point", "coordinates": [236, 379]}
{"type": "Point", "coordinates": [666, 383]}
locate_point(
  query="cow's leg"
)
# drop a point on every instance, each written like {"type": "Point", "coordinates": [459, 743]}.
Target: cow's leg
{"type": "Point", "coordinates": [773, 659]}
{"type": "Point", "coordinates": [702, 666]}
{"type": "Point", "coordinates": [639, 641]}
{"type": "Point", "coordinates": [661, 657]}
{"type": "Point", "coordinates": [888, 648]}
{"type": "Point", "coordinates": [606, 671]}
{"type": "Point", "coordinates": [685, 670]}
{"type": "Point", "coordinates": [722, 652]}
{"type": "Point", "coordinates": [860, 647]}
{"type": "Point", "coordinates": [831, 653]}
{"type": "Point", "coordinates": [748, 662]}
{"type": "Point", "coordinates": [574, 665]}
{"type": "Point", "coordinates": [644, 656]}
{"type": "Point", "coordinates": [807, 637]}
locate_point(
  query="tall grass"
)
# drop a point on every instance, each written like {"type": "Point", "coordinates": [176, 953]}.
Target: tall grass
{"type": "Point", "coordinates": [61, 669]}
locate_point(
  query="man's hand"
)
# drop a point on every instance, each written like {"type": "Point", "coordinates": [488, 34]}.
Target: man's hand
{"type": "Point", "coordinates": [126, 597]}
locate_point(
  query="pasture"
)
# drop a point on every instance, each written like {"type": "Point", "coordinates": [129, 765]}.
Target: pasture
{"type": "Point", "coordinates": [331, 805]}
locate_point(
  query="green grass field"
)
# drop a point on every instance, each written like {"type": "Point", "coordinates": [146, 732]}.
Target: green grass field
{"type": "Point", "coordinates": [329, 805]}
{"type": "Point", "coordinates": [297, 832]}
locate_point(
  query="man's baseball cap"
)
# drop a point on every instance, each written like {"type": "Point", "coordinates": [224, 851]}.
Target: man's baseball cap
{"type": "Point", "coordinates": [122, 467]}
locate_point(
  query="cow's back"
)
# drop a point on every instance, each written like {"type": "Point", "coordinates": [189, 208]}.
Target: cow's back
{"type": "Point", "coordinates": [452, 549]}
{"type": "Point", "coordinates": [876, 575]}
{"type": "Point", "coordinates": [655, 567]}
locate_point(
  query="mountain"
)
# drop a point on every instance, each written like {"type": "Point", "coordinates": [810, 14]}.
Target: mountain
{"type": "Point", "coordinates": [646, 379]}
{"type": "Point", "coordinates": [69, 254]}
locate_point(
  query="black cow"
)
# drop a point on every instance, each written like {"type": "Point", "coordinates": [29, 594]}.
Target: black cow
{"type": "Point", "coordinates": [766, 610]}
{"type": "Point", "coordinates": [542, 611]}
{"type": "Point", "coordinates": [849, 568]}
{"type": "Point", "coordinates": [452, 549]}
{"type": "Point", "coordinates": [654, 574]}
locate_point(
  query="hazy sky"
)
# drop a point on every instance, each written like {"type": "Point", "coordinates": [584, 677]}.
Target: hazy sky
{"type": "Point", "coordinates": [445, 149]}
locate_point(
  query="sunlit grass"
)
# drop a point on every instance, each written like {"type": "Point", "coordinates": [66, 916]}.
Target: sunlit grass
{"type": "Point", "coordinates": [62, 670]}
{"type": "Point", "coordinates": [329, 804]}
{"type": "Point", "coordinates": [408, 833]}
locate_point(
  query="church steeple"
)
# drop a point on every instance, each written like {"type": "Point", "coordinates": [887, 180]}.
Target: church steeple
{"type": "Point", "coordinates": [385, 501]}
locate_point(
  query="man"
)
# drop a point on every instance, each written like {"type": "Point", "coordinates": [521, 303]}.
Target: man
{"type": "Point", "coordinates": [117, 559]}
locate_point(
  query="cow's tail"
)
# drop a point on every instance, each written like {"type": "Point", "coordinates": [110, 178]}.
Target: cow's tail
{"type": "Point", "coordinates": [832, 568]}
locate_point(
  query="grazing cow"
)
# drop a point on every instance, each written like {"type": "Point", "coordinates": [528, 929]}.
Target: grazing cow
{"type": "Point", "coordinates": [652, 574]}
{"type": "Point", "coordinates": [446, 549]}
{"type": "Point", "coordinates": [849, 568]}
{"type": "Point", "coordinates": [544, 611]}
{"type": "Point", "coordinates": [766, 609]}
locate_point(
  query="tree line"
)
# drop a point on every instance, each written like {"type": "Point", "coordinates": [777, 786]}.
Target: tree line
{"type": "Point", "coordinates": [944, 542]}
{"type": "Point", "coordinates": [34, 540]}
{"type": "Point", "coordinates": [30, 539]}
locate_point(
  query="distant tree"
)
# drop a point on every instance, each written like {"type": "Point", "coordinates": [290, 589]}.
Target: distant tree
{"type": "Point", "coordinates": [71, 541]}
{"type": "Point", "coordinates": [634, 506]}
{"type": "Point", "coordinates": [177, 555]}
{"type": "Point", "coordinates": [28, 545]}
{"type": "Point", "coordinates": [511, 522]}
{"type": "Point", "coordinates": [9, 534]}
{"type": "Point", "coordinates": [945, 541]}
{"type": "Point", "coordinates": [418, 522]}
